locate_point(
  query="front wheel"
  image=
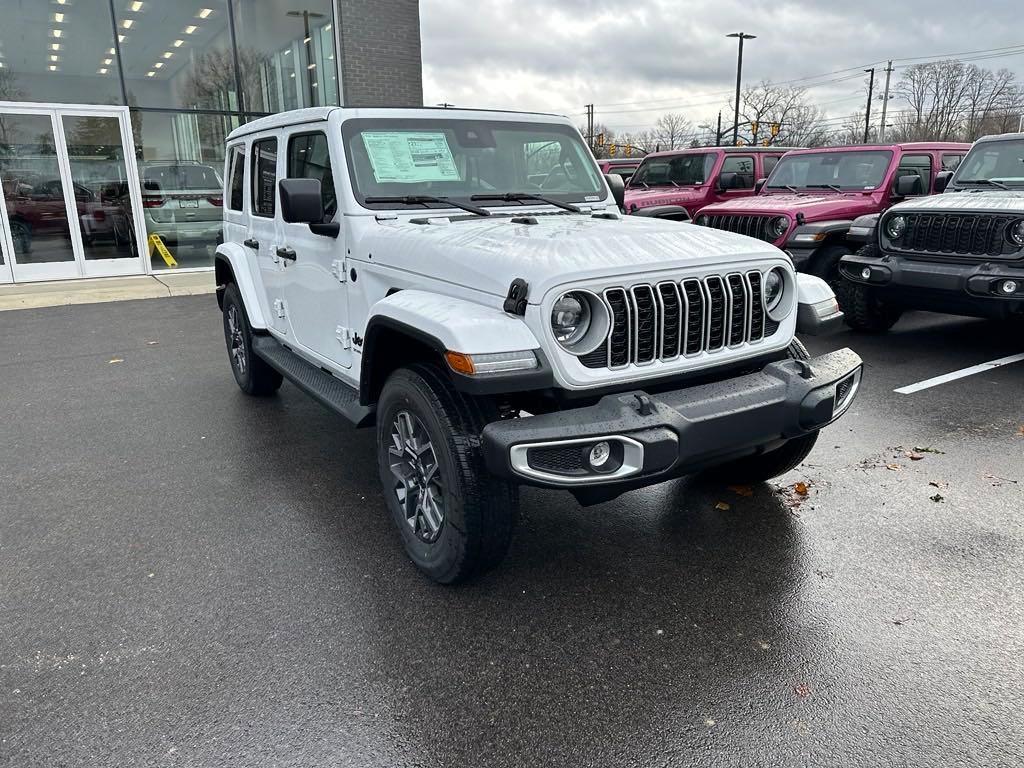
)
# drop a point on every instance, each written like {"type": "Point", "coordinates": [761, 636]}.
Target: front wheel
{"type": "Point", "coordinates": [765, 466]}
{"type": "Point", "coordinates": [252, 373]}
{"type": "Point", "coordinates": [864, 309]}
{"type": "Point", "coordinates": [455, 519]}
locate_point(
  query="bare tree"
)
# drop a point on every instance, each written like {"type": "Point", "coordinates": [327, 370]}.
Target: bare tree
{"type": "Point", "coordinates": [672, 131]}
{"type": "Point", "coordinates": [795, 121]}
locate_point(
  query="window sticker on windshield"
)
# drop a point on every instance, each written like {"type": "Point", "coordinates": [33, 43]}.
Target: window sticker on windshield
{"type": "Point", "coordinates": [410, 157]}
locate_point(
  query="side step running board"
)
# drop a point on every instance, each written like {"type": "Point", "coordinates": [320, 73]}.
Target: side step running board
{"type": "Point", "coordinates": [329, 391]}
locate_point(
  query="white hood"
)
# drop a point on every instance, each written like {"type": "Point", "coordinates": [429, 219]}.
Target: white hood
{"type": "Point", "coordinates": [994, 201]}
{"type": "Point", "coordinates": [486, 254]}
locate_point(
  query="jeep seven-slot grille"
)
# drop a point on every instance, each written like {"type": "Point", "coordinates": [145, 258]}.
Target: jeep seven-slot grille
{"type": "Point", "coordinates": [962, 235]}
{"type": "Point", "coordinates": [752, 226]}
{"type": "Point", "coordinates": [672, 319]}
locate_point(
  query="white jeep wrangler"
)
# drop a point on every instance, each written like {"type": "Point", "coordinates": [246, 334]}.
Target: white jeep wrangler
{"type": "Point", "coordinates": [465, 281]}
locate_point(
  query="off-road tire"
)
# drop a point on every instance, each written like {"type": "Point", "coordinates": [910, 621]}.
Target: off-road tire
{"type": "Point", "coordinates": [480, 510]}
{"type": "Point", "coordinates": [255, 377]}
{"type": "Point", "coordinates": [826, 266]}
{"type": "Point", "coordinates": [865, 311]}
{"type": "Point", "coordinates": [765, 466]}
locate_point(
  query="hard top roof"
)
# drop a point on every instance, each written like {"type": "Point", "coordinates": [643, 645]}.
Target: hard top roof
{"type": "Point", "coordinates": [921, 146]}
{"type": "Point", "coordinates": [1001, 137]}
{"type": "Point", "coordinates": [727, 150]}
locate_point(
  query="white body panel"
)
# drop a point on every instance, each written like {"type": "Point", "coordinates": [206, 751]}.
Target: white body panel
{"type": "Point", "coordinates": [996, 201]}
{"type": "Point", "coordinates": [449, 277]}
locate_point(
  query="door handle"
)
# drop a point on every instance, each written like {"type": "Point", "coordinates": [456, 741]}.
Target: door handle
{"type": "Point", "coordinates": [250, 243]}
{"type": "Point", "coordinates": [286, 253]}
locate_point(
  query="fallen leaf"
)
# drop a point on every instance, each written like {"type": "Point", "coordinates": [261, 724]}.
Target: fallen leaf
{"type": "Point", "coordinates": [800, 488]}
{"type": "Point", "coordinates": [152, 343]}
{"type": "Point", "coordinates": [722, 506]}
{"type": "Point", "coordinates": [914, 455]}
{"type": "Point", "coordinates": [1020, 432]}
{"type": "Point", "coordinates": [741, 490]}
{"type": "Point", "coordinates": [938, 498]}
{"type": "Point", "coordinates": [936, 484]}
{"type": "Point", "coordinates": [115, 360]}
{"type": "Point", "coordinates": [802, 690]}
{"type": "Point", "coordinates": [927, 449]}
{"type": "Point", "coordinates": [894, 467]}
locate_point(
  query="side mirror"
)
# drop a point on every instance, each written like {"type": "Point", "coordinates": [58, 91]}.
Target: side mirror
{"type": "Point", "coordinates": [727, 181]}
{"type": "Point", "coordinates": [942, 181]}
{"type": "Point", "coordinates": [300, 201]}
{"type": "Point", "coordinates": [908, 185]}
{"type": "Point", "coordinates": [759, 185]}
{"type": "Point", "coordinates": [617, 187]}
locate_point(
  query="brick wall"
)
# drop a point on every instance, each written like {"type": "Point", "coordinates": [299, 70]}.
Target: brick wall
{"type": "Point", "coordinates": [380, 52]}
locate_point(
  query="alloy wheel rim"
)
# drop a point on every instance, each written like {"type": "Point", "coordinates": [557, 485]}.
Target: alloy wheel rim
{"type": "Point", "coordinates": [236, 340]}
{"type": "Point", "coordinates": [418, 484]}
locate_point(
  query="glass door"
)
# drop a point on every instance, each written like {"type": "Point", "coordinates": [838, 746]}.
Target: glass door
{"type": "Point", "coordinates": [69, 194]}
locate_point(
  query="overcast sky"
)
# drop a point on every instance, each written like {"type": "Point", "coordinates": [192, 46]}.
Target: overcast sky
{"type": "Point", "coordinates": [672, 55]}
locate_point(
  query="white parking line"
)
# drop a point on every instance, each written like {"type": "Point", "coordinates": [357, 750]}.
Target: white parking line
{"type": "Point", "coordinates": [962, 373]}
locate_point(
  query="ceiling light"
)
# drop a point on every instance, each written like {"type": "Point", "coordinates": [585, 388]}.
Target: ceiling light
{"type": "Point", "coordinates": [110, 52]}
{"type": "Point", "coordinates": [56, 32]}
{"type": "Point", "coordinates": [121, 38]}
{"type": "Point", "coordinates": [108, 62]}
{"type": "Point", "coordinates": [190, 29]}
{"type": "Point", "coordinates": [167, 54]}
{"type": "Point", "coordinates": [127, 23]}
{"type": "Point", "coordinates": [59, 18]}
{"type": "Point", "coordinates": [62, 2]}
{"type": "Point", "coordinates": [151, 73]}
{"type": "Point", "coordinates": [53, 67]}
{"type": "Point", "coordinates": [54, 46]}
{"type": "Point", "coordinates": [311, 66]}
{"type": "Point", "coordinates": [178, 43]}
{"type": "Point", "coordinates": [103, 70]}
{"type": "Point", "coordinates": [204, 13]}
{"type": "Point", "coordinates": [158, 65]}
{"type": "Point", "coordinates": [54, 57]}
{"type": "Point", "coordinates": [136, 6]}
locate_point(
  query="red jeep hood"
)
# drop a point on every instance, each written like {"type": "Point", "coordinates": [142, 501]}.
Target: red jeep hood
{"type": "Point", "coordinates": [645, 198]}
{"type": "Point", "coordinates": [814, 207]}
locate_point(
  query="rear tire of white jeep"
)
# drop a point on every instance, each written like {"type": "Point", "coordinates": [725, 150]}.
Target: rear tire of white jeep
{"type": "Point", "coordinates": [253, 375]}
{"type": "Point", "coordinates": [864, 310]}
{"type": "Point", "coordinates": [765, 466]}
{"type": "Point", "coordinates": [455, 519]}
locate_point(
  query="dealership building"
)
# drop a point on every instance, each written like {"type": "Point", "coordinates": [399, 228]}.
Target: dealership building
{"type": "Point", "coordinates": [113, 115]}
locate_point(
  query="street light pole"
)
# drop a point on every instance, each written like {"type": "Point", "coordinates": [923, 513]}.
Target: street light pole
{"type": "Point", "coordinates": [739, 77]}
{"type": "Point", "coordinates": [312, 78]}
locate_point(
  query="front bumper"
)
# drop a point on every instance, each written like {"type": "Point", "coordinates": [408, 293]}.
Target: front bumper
{"type": "Point", "coordinates": [972, 288]}
{"type": "Point", "coordinates": [655, 437]}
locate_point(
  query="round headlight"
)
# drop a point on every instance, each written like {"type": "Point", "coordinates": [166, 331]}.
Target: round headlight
{"type": "Point", "coordinates": [1016, 233]}
{"type": "Point", "coordinates": [896, 226]}
{"type": "Point", "coordinates": [570, 318]}
{"type": "Point", "coordinates": [774, 287]}
{"type": "Point", "coordinates": [777, 227]}
{"type": "Point", "coordinates": [702, 220]}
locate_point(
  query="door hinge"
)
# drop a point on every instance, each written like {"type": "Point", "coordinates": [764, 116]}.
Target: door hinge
{"type": "Point", "coordinates": [338, 270]}
{"type": "Point", "coordinates": [344, 336]}
{"type": "Point", "coordinates": [279, 307]}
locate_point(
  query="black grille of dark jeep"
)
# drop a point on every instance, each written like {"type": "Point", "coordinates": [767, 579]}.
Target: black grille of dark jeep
{"type": "Point", "coordinates": [668, 320]}
{"type": "Point", "coordinates": [751, 226]}
{"type": "Point", "coordinates": [971, 234]}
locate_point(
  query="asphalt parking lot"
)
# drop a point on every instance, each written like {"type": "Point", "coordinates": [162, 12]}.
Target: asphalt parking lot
{"type": "Point", "coordinates": [190, 577]}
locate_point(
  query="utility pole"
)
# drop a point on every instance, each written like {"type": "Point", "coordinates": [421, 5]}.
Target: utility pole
{"type": "Point", "coordinates": [885, 100]}
{"type": "Point", "coordinates": [718, 133]}
{"type": "Point", "coordinates": [739, 77]}
{"type": "Point", "coordinates": [867, 112]}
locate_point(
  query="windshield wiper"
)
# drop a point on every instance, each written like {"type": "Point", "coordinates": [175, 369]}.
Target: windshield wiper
{"type": "Point", "coordinates": [511, 197]}
{"type": "Point", "coordinates": [424, 199]}
{"type": "Point", "coordinates": [988, 182]}
{"type": "Point", "coordinates": [825, 186]}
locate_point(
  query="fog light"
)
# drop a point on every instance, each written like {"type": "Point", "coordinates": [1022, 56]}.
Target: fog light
{"type": "Point", "coordinates": [600, 454]}
{"type": "Point", "coordinates": [866, 273]}
{"type": "Point", "coordinates": [1008, 286]}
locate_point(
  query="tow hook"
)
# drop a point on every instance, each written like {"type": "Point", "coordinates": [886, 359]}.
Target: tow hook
{"type": "Point", "coordinates": [806, 372]}
{"type": "Point", "coordinates": [644, 406]}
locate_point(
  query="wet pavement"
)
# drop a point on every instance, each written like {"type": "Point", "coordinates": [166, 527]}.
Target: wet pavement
{"type": "Point", "coordinates": [190, 577]}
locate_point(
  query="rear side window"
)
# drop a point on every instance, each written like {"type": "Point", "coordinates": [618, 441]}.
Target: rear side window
{"type": "Point", "coordinates": [951, 162]}
{"type": "Point", "coordinates": [310, 158]}
{"type": "Point", "coordinates": [770, 161]}
{"type": "Point", "coordinates": [237, 191]}
{"type": "Point", "coordinates": [264, 176]}
{"type": "Point", "coordinates": [917, 165]}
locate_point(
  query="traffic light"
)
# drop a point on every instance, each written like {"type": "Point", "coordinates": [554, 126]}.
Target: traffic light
{"type": "Point", "coordinates": [629, 150]}
{"type": "Point", "coordinates": [753, 127]}
{"type": "Point", "coordinates": [775, 129]}
{"type": "Point", "coordinates": [600, 139]}
{"type": "Point", "coordinates": [766, 143]}
{"type": "Point", "coordinates": [612, 149]}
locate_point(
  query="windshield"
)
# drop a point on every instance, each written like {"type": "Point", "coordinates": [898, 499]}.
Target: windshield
{"type": "Point", "coordinates": [829, 170]}
{"type": "Point", "coordinates": [674, 170]}
{"type": "Point", "coordinates": [457, 159]}
{"type": "Point", "coordinates": [164, 177]}
{"type": "Point", "coordinates": [1001, 161]}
